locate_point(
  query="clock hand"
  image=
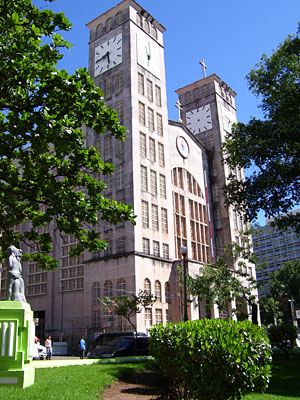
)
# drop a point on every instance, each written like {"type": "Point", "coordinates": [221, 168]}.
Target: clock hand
{"type": "Point", "coordinates": [100, 59]}
{"type": "Point", "coordinates": [108, 57]}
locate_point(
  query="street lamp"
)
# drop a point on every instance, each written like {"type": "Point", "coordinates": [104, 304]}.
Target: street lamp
{"type": "Point", "coordinates": [292, 304]}
{"type": "Point", "coordinates": [184, 254]}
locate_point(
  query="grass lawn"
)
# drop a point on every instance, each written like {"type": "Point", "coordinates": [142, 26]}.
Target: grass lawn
{"type": "Point", "coordinates": [80, 382]}
{"type": "Point", "coordinates": [285, 382]}
{"type": "Point", "coordinates": [87, 382]}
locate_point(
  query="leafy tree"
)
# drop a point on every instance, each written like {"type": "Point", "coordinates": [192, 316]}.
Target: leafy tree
{"type": "Point", "coordinates": [43, 156]}
{"type": "Point", "coordinates": [219, 283]}
{"type": "Point", "coordinates": [270, 145]}
{"type": "Point", "coordinates": [128, 306]}
{"type": "Point", "coordinates": [269, 309]}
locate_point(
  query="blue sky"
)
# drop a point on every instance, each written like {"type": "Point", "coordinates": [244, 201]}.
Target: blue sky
{"type": "Point", "coordinates": [230, 36]}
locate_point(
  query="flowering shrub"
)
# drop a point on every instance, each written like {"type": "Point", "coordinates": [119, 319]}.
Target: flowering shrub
{"type": "Point", "coordinates": [212, 359]}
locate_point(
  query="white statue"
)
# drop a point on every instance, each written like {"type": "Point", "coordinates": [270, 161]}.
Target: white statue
{"type": "Point", "coordinates": [15, 283]}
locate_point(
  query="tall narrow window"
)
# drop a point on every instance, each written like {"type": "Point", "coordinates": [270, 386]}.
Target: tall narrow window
{"type": "Point", "coordinates": [157, 290]}
{"type": "Point", "coordinates": [119, 18]}
{"type": "Point", "coordinates": [154, 210]}
{"type": "Point", "coordinates": [153, 182]}
{"type": "Point", "coordinates": [147, 286]}
{"type": "Point", "coordinates": [142, 117]}
{"type": "Point", "coordinates": [159, 124]}
{"type": "Point", "coordinates": [162, 186]}
{"type": "Point", "coordinates": [108, 88]}
{"type": "Point", "coordinates": [95, 293]}
{"type": "Point", "coordinates": [150, 119]}
{"type": "Point", "coordinates": [144, 180]}
{"type": "Point", "coordinates": [119, 176]}
{"type": "Point", "coordinates": [145, 214]}
{"type": "Point", "coordinates": [156, 251]}
{"type": "Point", "coordinates": [164, 220]}
{"type": "Point", "coordinates": [149, 90]}
{"type": "Point", "coordinates": [146, 246]}
{"type": "Point", "coordinates": [152, 152]}
{"type": "Point", "coordinates": [166, 251]}
{"type": "Point", "coordinates": [167, 292]}
{"type": "Point", "coordinates": [120, 110]}
{"type": "Point", "coordinates": [141, 83]}
{"type": "Point", "coordinates": [108, 147]}
{"type": "Point", "coordinates": [109, 24]}
{"type": "Point", "coordinates": [143, 148]}
{"type": "Point", "coordinates": [161, 155]}
{"type": "Point", "coordinates": [99, 30]}
{"type": "Point", "coordinates": [146, 26]}
{"type": "Point", "coordinates": [121, 287]}
{"type": "Point", "coordinates": [119, 82]}
{"type": "Point", "coordinates": [108, 289]}
{"type": "Point", "coordinates": [157, 96]}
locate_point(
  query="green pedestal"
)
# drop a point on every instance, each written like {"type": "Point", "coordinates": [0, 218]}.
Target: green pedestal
{"type": "Point", "coordinates": [16, 344]}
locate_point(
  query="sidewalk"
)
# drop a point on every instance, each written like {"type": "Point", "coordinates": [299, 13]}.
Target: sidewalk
{"type": "Point", "coordinates": [64, 361]}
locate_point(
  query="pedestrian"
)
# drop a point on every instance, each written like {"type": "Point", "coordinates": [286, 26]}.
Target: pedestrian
{"type": "Point", "coordinates": [82, 347]}
{"type": "Point", "coordinates": [48, 345]}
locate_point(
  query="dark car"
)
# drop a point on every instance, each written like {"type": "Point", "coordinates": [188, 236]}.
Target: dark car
{"type": "Point", "coordinates": [122, 347]}
{"type": "Point", "coordinates": [104, 338]}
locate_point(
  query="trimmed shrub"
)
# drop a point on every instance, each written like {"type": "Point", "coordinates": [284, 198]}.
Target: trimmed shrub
{"type": "Point", "coordinates": [212, 359]}
{"type": "Point", "coordinates": [283, 336]}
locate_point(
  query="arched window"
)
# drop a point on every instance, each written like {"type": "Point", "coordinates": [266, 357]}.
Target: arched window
{"type": "Point", "coordinates": [154, 32]}
{"type": "Point", "coordinates": [119, 18]}
{"type": "Point", "coordinates": [196, 93]}
{"type": "Point", "coordinates": [121, 287]}
{"type": "Point", "coordinates": [187, 97]}
{"type": "Point", "coordinates": [167, 292]}
{"type": "Point", "coordinates": [99, 30]}
{"type": "Point", "coordinates": [146, 26]}
{"type": "Point", "coordinates": [109, 24]}
{"type": "Point", "coordinates": [138, 19]}
{"type": "Point", "coordinates": [95, 293]}
{"type": "Point", "coordinates": [108, 289]}
{"type": "Point", "coordinates": [147, 286]}
{"type": "Point", "coordinates": [157, 290]}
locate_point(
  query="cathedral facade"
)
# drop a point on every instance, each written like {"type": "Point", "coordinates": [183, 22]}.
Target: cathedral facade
{"type": "Point", "coordinates": [171, 172]}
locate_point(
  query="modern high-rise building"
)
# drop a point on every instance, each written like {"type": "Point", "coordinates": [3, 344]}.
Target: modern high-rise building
{"type": "Point", "coordinates": [273, 249]}
{"type": "Point", "coordinates": [171, 172]}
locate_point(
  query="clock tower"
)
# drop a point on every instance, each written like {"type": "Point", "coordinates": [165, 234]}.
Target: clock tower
{"type": "Point", "coordinates": [208, 110]}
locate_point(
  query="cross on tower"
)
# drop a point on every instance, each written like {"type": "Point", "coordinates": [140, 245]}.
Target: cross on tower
{"type": "Point", "coordinates": [178, 105]}
{"type": "Point", "coordinates": [203, 67]}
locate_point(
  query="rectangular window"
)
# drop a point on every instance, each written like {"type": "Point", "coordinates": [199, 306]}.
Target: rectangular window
{"type": "Point", "coordinates": [119, 82]}
{"type": "Point", "coordinates": [159, 124]}
{"type": "Point", "coordinates": [141, 83]}
{"type": "Point", "coordinates": [120, 111]}
{"type": "Point", "coordinates": [158, 316]}
{"type": "Point", "coordinates": [154, 210]}
{"type": "Point", "coordinates": [144, 180]}
{"type": "Point", "coordinates": [143, 147]}
{"type": "Point", "coordinates": [152, 152]}
{"type": "Point", "coordinates": [145, 214]}
{"type": "Point", "coordinates": [108, 182]}
{"type": "Point", "coordinates": [146, 246]}
{"type": "Point", "coordinates": [108, 250]}
{"type": "Point", "coordinates": [161, 155]}
{"type": "Point", "coordinates": [168, 319]}
{"type": "Point", "coordinates": [157, 96]}
{"type": "Point", "coordinates": [153, 182]}
{"type": "Point", "coordinates": [156, 248]}
{"type": "Point", "coordinates": [108, 148]}
{"type": "Point", "coordinates": [162, 186]}
{"type": "Point", "coordinates": [119, 176]}
{"type": "Point", "coordinates": [148, 317]}
{"type": "Point", "coordinates": [119, 148]}
{"type": "Point", "coordinates": [149, 90]}
{"type": "Point", "coordinates": [151, 119]}
{"type": "Point", "coordinates": [164, 220]}
{"type": "Point", "coordinates": [165, 251]}
{"type": "Point", "coordinates": [108, 88]}
{"type": "Point", "coordinates": [142, 116]}
{"type": "Point", "coordinates": [121, 245]}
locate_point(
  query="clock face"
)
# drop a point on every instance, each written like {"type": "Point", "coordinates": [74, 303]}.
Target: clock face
{"type": "Point", "coordinates": [148, 56]}
{"type": "Point", "coordinates": [108, 54]}
{"type": "Point", "coordinates": [199, 119]}
{"type": "Point", "coordinates": [182, 146]}
{"type": "Point", "coordinates": [228, 119]}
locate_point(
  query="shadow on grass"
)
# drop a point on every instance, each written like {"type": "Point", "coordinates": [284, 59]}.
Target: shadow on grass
{"type": "Point", "coordinates": [285, 379]}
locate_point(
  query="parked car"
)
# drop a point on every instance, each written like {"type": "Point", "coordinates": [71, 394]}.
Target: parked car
{"type": "Point", "coordinates": [122, 347]}
{"type": "Point", "coordinates": [104, 338]}
{"type": "Point", "coordinates": [39, 352]}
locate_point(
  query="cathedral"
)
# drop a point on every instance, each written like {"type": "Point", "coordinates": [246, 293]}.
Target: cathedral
{"type": "Point", "coordinates": [171, 172]}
